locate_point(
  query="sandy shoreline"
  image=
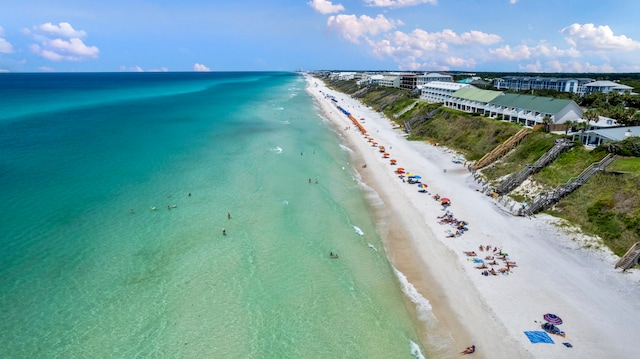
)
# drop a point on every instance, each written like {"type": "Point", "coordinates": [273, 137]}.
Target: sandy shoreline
{"type": "Point", "coordinates": [598, 304]}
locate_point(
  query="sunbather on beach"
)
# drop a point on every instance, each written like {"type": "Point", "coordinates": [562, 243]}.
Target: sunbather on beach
{"type": "Point", "coordinates": [470, 253]}
{"type": "Point", "coordinates": [469, 350]}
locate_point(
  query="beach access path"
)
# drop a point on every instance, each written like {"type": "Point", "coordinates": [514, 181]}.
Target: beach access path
{"type": "Point", "coordinates": [555, 271]}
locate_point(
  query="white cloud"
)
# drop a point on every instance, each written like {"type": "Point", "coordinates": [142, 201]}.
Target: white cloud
{"type": "Point", "coordinates": [45, 69]}
{"type": "Point", "coordinates": [63, 29]}
{"type": "Point", "coordinates": [588, 37]}
{"type": "Point", "coordinates": [325, 7]}
{"type": "Point", "coordinates": [5, 46]}
{"type": "Point", "coordinates": [200, 68]}
{"type": "Point", "coordinates": [570, 67]}
{"type": "Point", "coordinates": [352, 27]}
{"type": "Point", "coordinates": [65, 50]}
{"type": "Point", "coordinates": [523, 52]}
{"type": "Point", "coordinates": [513, 1]}
{"type": "Point", "coordinates": [419, 48]}
{"type": "Point", "coordinates": [398, 3]}
{"type": "Point", "coordinates": [53, 47]}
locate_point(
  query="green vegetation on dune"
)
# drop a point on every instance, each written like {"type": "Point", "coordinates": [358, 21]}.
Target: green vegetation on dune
{"type": "Point", "coordinates": [608, 205]}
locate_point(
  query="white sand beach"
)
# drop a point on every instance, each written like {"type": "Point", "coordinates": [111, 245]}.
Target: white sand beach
{"type": "Point", "coordinates": [555, 272]}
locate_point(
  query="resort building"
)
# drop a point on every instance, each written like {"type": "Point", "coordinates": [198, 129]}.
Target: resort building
{"type": "Point", "coordinates": [390, 81]}
{"type": "Point", "coordinates": [471, 99]}
{"type": "Point", "coordinates": [408, 81]}
{"type": "Point", "coordinates": [524, 109]}
{"type": "Point", "coordinates": [607, 86]}
{"type": "Point", "coordinates": [434, 76]}
{"type": "Point", "coordinates": [526, 83]}
{"type": "Point", "coordinates": [438, 91]}
{"type": "Point", "coordinates": [531, 110]}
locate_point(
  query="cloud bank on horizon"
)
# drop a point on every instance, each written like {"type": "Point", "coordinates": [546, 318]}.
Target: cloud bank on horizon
{"type": "Point", "coordinates": [246, 35]}
{"type": "Point", "coordinates": [588, 47]}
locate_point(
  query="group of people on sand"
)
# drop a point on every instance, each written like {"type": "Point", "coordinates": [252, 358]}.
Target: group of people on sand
{"type": "Point", "coordinates": [491, 259]}
{"type": "Point", "coordinates": [459, 225]}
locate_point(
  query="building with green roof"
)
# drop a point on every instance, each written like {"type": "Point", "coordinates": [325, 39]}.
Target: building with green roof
{"type": "Point", "coordinates": [531, 110]}
{"type": "Point", "coordinates": [471, 99]}
{"type": "Point", "coordinates": [524, 109]}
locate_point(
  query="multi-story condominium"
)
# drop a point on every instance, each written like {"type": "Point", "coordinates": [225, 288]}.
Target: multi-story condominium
{"type": "Point", "coordinates": [438, 91]}
{"type": "Point", "coordinates": [434, 76]}
{"type": "Point", "coordinates": [390, 80]}
{"type": "Point", "coordinates": [526, 83]}
{"type": "Point", "coordinates": [408, 81]}
{"type": "Point", "coordinates": [607, 86]}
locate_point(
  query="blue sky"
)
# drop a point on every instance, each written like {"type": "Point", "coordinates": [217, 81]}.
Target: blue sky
{"type": "Point", "coordinates": [248, 35]}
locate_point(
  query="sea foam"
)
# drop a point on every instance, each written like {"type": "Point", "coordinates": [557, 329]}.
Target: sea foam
{"type": "Point", "coordinates": [423, 306]}
{"type": "Point", "coordinates": [358, 230]}
{"type": "Point", "coordinates": [415, 350]}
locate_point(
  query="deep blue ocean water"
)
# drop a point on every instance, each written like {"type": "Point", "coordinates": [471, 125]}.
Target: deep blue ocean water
{"type": "Point", "coordinates": [116, 188]}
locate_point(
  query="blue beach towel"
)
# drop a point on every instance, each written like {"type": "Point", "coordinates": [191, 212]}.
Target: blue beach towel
{"type": "Point", "coordinates": [539, 337]}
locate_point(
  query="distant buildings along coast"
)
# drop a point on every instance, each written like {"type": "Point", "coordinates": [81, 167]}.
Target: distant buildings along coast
{"type": "Point", "coordinates": [527, 110]}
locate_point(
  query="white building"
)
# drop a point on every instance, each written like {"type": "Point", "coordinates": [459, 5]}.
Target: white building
{"type": "Point", "coordinates": [434, 76]}
{"type": "Point", "coordinates": [607, 86]}
{"type": "Point", "coordinates": [438, 91]}
{"type": "Point", "coordinates": [390, 81]}
{"type": "Point", "coordinates": [526, 83]}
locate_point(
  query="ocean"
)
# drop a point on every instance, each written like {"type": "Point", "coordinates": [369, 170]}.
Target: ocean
{"type": "Point", "coordinates": [117, 188]}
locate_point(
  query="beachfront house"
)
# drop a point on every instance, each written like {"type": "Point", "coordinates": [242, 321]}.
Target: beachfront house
{"type": "Point", "coordinates": [439, 91]}
{"type": "Point", "coordinates": [598, 136]}
{"type": "Point", "coordinates": [607, 86]}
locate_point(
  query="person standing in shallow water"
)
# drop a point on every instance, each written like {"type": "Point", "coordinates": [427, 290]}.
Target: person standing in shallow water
{"type": "Point", "coordinates": [228, 215]}
{"type": "Point", "coordinates": [224, 232]}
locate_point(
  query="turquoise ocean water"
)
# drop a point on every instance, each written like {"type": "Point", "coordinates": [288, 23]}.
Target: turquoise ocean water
{"type": "Point", "coordinates": [82, 277]}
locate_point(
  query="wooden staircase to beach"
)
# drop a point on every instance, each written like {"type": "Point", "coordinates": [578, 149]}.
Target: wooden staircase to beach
{"type": "Point", "coordinates": [630, 259]}
{"type": "Point", "coordinates": [417, 121]}
{"type": "Point", "coordinates": [515, 180]}
{"type": "Point", "coordinates": [502, 149]}
{"type": "Point", "coordinates": [546, 199]}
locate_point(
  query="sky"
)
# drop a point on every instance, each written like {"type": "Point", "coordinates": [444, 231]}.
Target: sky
{"type": "Point", "coordinates": [566, 36]}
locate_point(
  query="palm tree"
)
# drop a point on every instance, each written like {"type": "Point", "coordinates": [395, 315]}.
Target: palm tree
{"type": "Point", "coordinates": [547, 121]}
{"type": "Point", "coordinates": [568, 124]}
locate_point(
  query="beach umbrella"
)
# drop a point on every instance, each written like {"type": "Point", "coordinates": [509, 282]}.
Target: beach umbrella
{"type": "Point", "coordinates": [552, 318]}
{"type": "Point", "coordinates": [386, 155]}
{"type": "Point", "coordinates": [422, 185]}
{"type": "Point", "coordinates": [445, 200]}
{"type": "Point", "coordinates": [393, 161]}
{"type": "Point", "coordinates": [410, 175]}
{"type": "Point", "coordinates": [400, 169]}
{"type": "Point", "coordinates": [417, 177]}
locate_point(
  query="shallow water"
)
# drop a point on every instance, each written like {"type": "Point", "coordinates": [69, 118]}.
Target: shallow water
{"type": "Point", "coordinates": [81, 276]}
